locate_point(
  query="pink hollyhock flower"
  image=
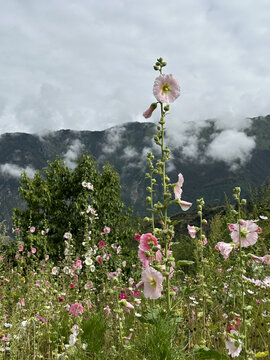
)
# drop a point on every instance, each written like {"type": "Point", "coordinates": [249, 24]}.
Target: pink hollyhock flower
{"type": "Point", "coordinates": [259, 231]}
{"type": "Point", "coordinates": [22, 302]}
{"type": "Point", "coordinates": [145, 240]}
{"type": "Point", "coordinates": [152, 281]}
{"type": "Point", "coordinates": [224, 248]}
{"type": "Point", "coordinates": [146, 261]}
{"type": "Point", "coordinates": [127, 306]}
{"type": "Point", "coordinates": [32, 229]}
{"type": "Point", "coordinates": [60, 299]}
{"type": "Point", "coordinates": [76, 309]}
{"type": "Point", "coordinates": [148, 113]}
{"type": "Point", "coordinates": [71, 285]}
{"type": "Point", "coordinates": [78, 264]}
{"type": "Point", "coordinates": [178, 192]}
{"type": "Point", "coordinates": [166, 88]}
{"type": "Point", "coordinates": [107, 229]}
{"type": "Point", "coordinates": [233, 345]}
{"type": "Point", "coordinates": [101, 244]}
{"type": "Point", "coordinates": [99, 259]}
{"type": "Point", "coordinates": [248, 233]}
{"type": "Point", "coordinates": [21, 248]}
{"type": "Point", "coordinates": [137, 237]}
{"type": "Point", "coordinates": [265, 259]}
{"type": "Point", "coordinates": [33, 250]}
{"type": "Point", "coordinates": [54, 270]}
{"type": "Point", "coordinates": [108, 310]}
{"type": "Point", "coordinates": [192, 231]}
{"type": "Point", "coordinates": [204, 241]}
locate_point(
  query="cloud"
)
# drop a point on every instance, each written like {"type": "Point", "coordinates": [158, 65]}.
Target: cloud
{"type": "Point", "coordinates": [231, 146]}
{"type": "Point", "coordinates": [16, 171]}
{"type": "Point", "coordinates": [73, 153]}
{"type": "Point", "coordinates": [51, 77]}
{"type": "Point", "coordinates": [129, 153]}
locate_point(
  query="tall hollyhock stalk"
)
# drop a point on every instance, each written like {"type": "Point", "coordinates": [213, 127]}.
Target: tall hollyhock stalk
{"type": "Point", "coordinates": [202, 263]}
{"type": "Point", "coordinates": [166, 90]}
{"type": "Point", "coordinates": [237, 192]}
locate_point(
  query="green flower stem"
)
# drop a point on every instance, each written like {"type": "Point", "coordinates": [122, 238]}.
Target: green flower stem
{"type": "Point", "coordinates": [165, 199]}
{"type": "Point", "coordinates": [119, 311]}
{"type": "Point", "coordinates": [241, 274]}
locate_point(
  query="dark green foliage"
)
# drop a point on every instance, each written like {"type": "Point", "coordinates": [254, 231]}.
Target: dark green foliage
{"type": "Point", "coordinates": [57, 199]}
{"type": "Point", "coordinates": [94, 330]}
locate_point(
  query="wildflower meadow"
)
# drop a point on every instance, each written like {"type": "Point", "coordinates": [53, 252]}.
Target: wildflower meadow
{"type": "Point", "coordinates": [81, 279]}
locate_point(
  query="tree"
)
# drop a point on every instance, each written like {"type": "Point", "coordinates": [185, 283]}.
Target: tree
{"type": "Point", "coordinates": [58, 200]}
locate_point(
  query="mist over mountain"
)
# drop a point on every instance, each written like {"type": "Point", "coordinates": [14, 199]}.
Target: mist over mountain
{"type": "Point", "coordinates": [212, 160]}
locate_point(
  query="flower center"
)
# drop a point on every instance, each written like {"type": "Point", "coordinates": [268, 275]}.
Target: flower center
{"type": "Point", "coordinates": [244, 233]}
{"type": "Point", "coordinates": [152, 282]}
{"type": "Point", "coordinates": [166, 88]}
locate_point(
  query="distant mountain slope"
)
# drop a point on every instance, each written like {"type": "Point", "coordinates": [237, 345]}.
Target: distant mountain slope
{"type": "Point", "coordinates": [126, 147]}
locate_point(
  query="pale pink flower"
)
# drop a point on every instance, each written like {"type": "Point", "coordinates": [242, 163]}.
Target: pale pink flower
{"type": "Point", "coordinates": [248, 233]}
{"type": "Point", "coordinates": [263, 217]}
{"type": "Point", "coordinates": [108, 310]}
{"type": "Point", "coordinates": [76, 309]}
{"type": "Point", "coordinates": [265, 259]}
{"type": "Point", "coordinates": [166, 88]}
{"type": "Point", "coordinates": [118, 250]}
{"type": "Point", "coordinates": [204, 241]}
{"type": "Point", "coordinates": [152, 281]}
{"type": "Point", "coordinates": [43, 232]}
{"type": "Point", "coordinates": [178, 192]}
{"type": "Point", "coordinates": [128, 338]}
{"type": "Point", "coordinates": [107, 229]}
{"type": "Point", "coordinates": [224, 248]}
{"type": "Point", "coordinates": [146, 240]}
{"type": "Point", "coordinates": [22, 302]}
{"type": "Point", "coordinates": [54, 270]}
{"type": "Point", "coordinates": [127, 306]}
{"type": "Point", "coordinates": [21, 248]}
{"type": "Point", "coordinates": [146, 261]}
{"type": "Point", "coordinates": [233, 346]}
{"type": "Point", "coordinates": [32, 229]}
{"type": "Point", "coordinates": [78, 264]}
{"type": "Point", "coordinates": [148, 113]}
{"type": "Point", "coordinates": [192, 231]}
{"type": "Point", "coordinates": [68, 235]}
{"type": "Point", "coordinates": [33, 250]}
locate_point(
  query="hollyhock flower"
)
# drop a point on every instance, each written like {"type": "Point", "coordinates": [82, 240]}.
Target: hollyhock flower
{"type": "Point", "coordinates": [32, 229]}
{"type": "Point", "coordinates": [204, 241]}
{"type": "Point", "coordinates": [88, 261]}
{"type": "Point", "coordinates": [21, 248]}
{"type": "Point", "coordinates": [118, 249]}
{"type": "Point", "coordinates": [233, 346]}
{"type": "Point", "coordinates": [68, 235]}
{"type": "Point", "coordinates": [54, 270]}
{"type": "Point", "coordinates": [152, 282]}
{"type": "Point", "coordinates": [76, 309]}
{"type": "Point", "coordinates": [107, 229]}
{"type": "Point", "coordinates": [22, 302]}
{"type": "Point", "coordinates": [248, 233]}
{"type": "Point", "coordinates": [148, 113]}
{"type": "Point", "coordinates": [72, 339]}
{"type": "Point", "coordinates": [33, 250]}
{"type": "Point", "coordinates": [224, 248]}
{"type": "Point", "coordinates": [166, 88]}
{"type": "Point", "coordinates": [60, 299]}
{"type": "Point", "coordinates": [146, 240]}
{"type": "Point", "coordinates": [265, 259]}
{"type": "Point", "coordinates": [192, 231]}
{"type": "Point", "coordinates": [71, 285]}
{"type": "Point", "coordinates": [124, 263]}
{"type": "Point", "coordinates": [178, 192]}
{"type": "Point", "coordinates": [108, 310]}
{"type": "Point", "coordinates": [43, 232]}
{"type": "Point", "coordinates": [78, 264]}
{"type": "Point", "coordinates": [127, 306]}
{"type": "Point", "coordinates": [101, 244]}
{"type": "Point", "coordinates": [263, 217]}
{"type": "Point", "coordinates": [137, 237]}
{"type": "Point", "coordinates": [146, 261]}
{"type": "Point", "coordinates": [99, 259]}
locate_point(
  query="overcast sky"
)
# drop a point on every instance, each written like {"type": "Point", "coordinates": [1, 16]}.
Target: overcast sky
{"type": "Point", "coordinates": [87, 64]}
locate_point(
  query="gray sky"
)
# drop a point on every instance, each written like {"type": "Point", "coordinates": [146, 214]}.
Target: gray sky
{"type": "Point", "coordinates": [87, 64]}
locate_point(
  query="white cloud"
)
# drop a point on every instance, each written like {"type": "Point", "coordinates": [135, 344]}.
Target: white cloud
{"type": "Point", "coordinates": [232, 147]}
{"type": "Point", "coordinates": [16, 171]}
{"type": "Point", "coordinates": [129, 152]}
{"type": "Point", "coordinates": [51, 77]}
{"type": "Point", "coordinates": [73, 153]}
